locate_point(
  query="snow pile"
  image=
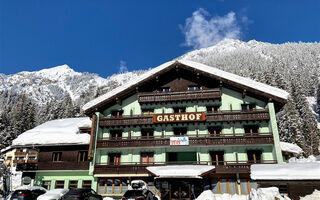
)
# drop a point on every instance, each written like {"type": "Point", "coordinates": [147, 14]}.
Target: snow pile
{"type": "Point", "coordinates": [288, 171]}
{"type": "Point", "coordinates": [108, 198]}
{"type": "Point", "coordinates": [31, 188]}
{"type": "Point", "coordinates": [16, 178]}
{"type": "Point", "coordinates": [310, 159]}
{"type": "Point", "coordinates": [180, 171]}
{"type": "Point", "coordinates": [314, 196]}
{"type": "Point", "coordinates": [260, 194]}
{"type": "Point", "coordinates": [208, 195]}
{"type": "Point", "coordinates": [60, 131]}
{"type": "Point", "coordinates": [270, 193]}
{"type": "Point", "coordinates": [291, 148]}
{"type": "Point", "coordinates": [205, 68]}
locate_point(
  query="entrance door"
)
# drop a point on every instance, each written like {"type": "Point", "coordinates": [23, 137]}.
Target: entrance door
{"type": "Point", "coordinates": [181, 191]}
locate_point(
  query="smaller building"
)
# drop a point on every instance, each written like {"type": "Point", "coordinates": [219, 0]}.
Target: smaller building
{"type": "Point", "coordinates": [54, 154]}
{"type": "Point", "coordinates": [295, 179]}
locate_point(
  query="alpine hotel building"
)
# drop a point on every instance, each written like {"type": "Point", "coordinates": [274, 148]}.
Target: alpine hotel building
{"type": "Point", "coordinates": [183, 127]}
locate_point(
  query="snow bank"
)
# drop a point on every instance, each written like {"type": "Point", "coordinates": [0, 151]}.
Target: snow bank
{"type": "Point", "coordinates": [108, 198]}
{"type": "Point", "coordinates": [259, 194]}
{"type": "Point", "coordinates": [314, 196]}
{"type": "Point", "coordinates": [205, 68]}
{"type": "Point", "coordinates": [180, 171]}
{"type": "Point", "coordinates": [288, 171]}
{"type": "Point", "coordinates": [291, 148]}
{"type": "Point", "coordinates": [31, 188]}
{"type": "Point", "coordinates": [208, 195]}
{"type": "Point", "coordinates": [304, 160]}
{"type": "Point", "coordinates": [16, 178]}
{"type": "Point", "coordinates": [60, 131]}
{"type": "Point", "coordinates": [270, 193]}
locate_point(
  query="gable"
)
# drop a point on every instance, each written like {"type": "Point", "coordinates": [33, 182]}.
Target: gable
{"type": "Point", "coordinates": [179, 75]}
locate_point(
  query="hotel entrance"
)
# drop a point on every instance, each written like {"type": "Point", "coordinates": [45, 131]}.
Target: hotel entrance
{"type": "Point", "coordinates": [179, 189]}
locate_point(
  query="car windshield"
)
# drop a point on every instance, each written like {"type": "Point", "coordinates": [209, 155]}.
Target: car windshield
{"type": "Point", "coordinates": [133, 193]}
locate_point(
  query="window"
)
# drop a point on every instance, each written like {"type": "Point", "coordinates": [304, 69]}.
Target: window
{"type": "Point", "coordinates": [164, 89]}
{"type": "Point", "coordinates": [217, 157]}
{"type": "Point", "coordinates": [116, 113]}
{"type": "Point", "coordinates": [147, 157]}
{"type": "Point", "coordinates": [46, 184]}
{"type": "Point", "coordinates": [112, 186]}
{"type": "Point", "coordinates": [147, 133]}
{"type": "Point", "coordinates": [115, 134]}
{"type": "Point", "coordinates": [180, 131]}
{"type": "Point", "coordinates": [73, 184]}
{"type": "Point", "coordinates": [254, 156]}
{"type": "Point", "coordinates": [248, 107]}
{"type": "Point", "coordinates": [114, 158]}
{"type": "Point", "coordinates": [215, 130]}
{"type": "Point", "coordinates": [59, 184]}
{"type": "Point", "coordinates": [251, 129]}
{"type": "Point", "coordinates": [86, 184]}
{"type": "Point", "coordinates": [82, 156]}
{"type": "Point", "coordinates": [147, 111]}
{"type": "Point", "coordinates": [56, 156]}
{"type": "Point", "coordinates": [215, 108]}
{"type": "Point", "coordinates": [179, 110]}
{"type": "Point", "coordinates": [194, 88]}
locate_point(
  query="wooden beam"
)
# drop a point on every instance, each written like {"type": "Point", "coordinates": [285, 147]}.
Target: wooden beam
{"type": "Point", "coordinates": [93, 123]}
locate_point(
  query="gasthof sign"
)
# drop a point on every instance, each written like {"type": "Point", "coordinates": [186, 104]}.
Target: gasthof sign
{"type": "Point", "coordinates": [179, 141]}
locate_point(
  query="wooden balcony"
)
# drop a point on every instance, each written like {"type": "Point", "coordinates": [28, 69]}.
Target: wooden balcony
{"type": "Point", "coordinates": [32, 161]}
{"type": "Point", "coordinates": [18, 153]}
{"type": "Point", "coordinates": [32, 153]}
{"type": "Point", "coordinates": [138, 168]}
{"type": "Point", "coordinates": [263, 138]}
{"type": "Point", "coordinates": [222, 116]}
{"type": "Point", "coordinates": [153, 97]}
{"type": "Point", "coordinates": [63, 165]}
{"type": "Point", "coordinates": [19, 161]}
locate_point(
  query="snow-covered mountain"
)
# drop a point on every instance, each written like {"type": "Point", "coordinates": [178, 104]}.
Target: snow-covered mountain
{"type": "Point", "coordinates": [54, 83]}
{"type": "Point", "coordinates": [31, 98]}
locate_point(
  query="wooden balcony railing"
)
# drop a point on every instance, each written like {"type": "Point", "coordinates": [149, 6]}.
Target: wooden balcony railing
{"type": "Point", "coordinates": [18, 153]}
{"type": "Point", "coordinates": [222, 116]}
{"type": "Point", "coordinates": [19, 161]}
{"type": "Point", "coordinates": [63, 165]}
{"type": "Point", "coordinates": [140, 168]}
{"type": "Point", "coordinates": [32, 161]}
{"type": "Point", "coordinates": [32, 153]}
{"type": "Point", "coordinates": [262, 138]}
{"type": "Point", "coordinates": [151, 97]}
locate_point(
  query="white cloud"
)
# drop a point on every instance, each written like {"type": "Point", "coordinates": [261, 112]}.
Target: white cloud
{"type": "Point", "coordinates": [123, 67]}
{"type": "Point", "coordinates": [202, 30]}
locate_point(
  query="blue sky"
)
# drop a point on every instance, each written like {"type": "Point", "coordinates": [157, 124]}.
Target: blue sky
{"type": "Point", "coordinates": [105, 37]}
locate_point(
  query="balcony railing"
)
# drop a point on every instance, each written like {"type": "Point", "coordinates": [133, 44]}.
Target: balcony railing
{"type": "Point", "coordinates": [262, 138]}
{"type": "Point", "coordinates": [222, 116]}
{"type": "Point", "coordinates": [140, 168]}
{"type": "Point", "coordinates": [151, 97]}
{"type": "Point", "coordinates": [19, 161]}
{"type": "Point", "coordinates": [63, 165]}
{"type": "Point", "coordinates": [19, 153]}
{"type": "Point", "coordinates": [32, 161]}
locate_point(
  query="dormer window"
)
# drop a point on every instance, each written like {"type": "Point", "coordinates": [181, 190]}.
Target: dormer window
{"type": "Point", "coordinates": [179, 110]}
{"type": "Point", "coordinates": [116, 113]}
{"type": "Point", "coordinates": [248, 106]}
{"type": "Point", "coordinates": [194, 88]}
{"type": "Point", "coordinates": [163, 89]}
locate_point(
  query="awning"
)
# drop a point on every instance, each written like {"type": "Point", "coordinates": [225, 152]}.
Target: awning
{"type": "Point", "coordinates": [180, 171]}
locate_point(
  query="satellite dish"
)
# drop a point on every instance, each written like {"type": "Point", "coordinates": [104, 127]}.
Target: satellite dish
{"type": "Point", "coordinates": [26, 180]}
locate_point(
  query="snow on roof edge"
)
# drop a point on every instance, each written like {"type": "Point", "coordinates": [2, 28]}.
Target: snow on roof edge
{"type": "Point", "coordinates": [212, 70]}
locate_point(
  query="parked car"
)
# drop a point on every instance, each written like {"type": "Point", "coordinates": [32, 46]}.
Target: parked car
{"type": "Point", "coordinates": [81, 194]}
{"type": "Point", "coordinates": [54, 194]}
{"type": "Point", "coordinates": [27, 193]}
{"type": "Point", "coordinates": [138, 191]}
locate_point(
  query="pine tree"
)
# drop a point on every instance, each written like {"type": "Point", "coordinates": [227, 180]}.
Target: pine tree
{"type": "Point", "coordinates": [318, 99]}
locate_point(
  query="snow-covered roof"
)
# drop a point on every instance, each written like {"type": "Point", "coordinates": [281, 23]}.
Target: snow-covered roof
{"type": "Point", "coordinates": [290, 147]}
{"type": "Point", "coordinates": [4, 150]}
{"type": "Point", "coordinates": [180, 171]}
{"type": "Point", "coordinates": [60, 131]}
{"type": "Point", "coordinates": [288, 171]}
{"type": "Point", "coordinates": [205, 68]}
